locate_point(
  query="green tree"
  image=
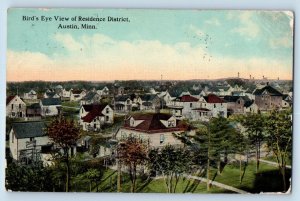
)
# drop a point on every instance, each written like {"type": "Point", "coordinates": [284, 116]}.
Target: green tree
{"type": "Point", "coordinates": [255, 125]}
{"type": "Point", "coordinates": [64, 133]}
{"type": "Point", "coordinates": [132, 152]}
{"type": "Point", "coordinates": [279, 139]}
{"type": "Point", "coordinates": [172, 163]}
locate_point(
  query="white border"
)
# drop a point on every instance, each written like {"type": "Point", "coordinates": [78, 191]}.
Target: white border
{"type": "Point", "coordinates": [293, 5]}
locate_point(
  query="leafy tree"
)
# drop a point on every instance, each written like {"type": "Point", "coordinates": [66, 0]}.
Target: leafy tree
{"type": "Point", "coordinates": [64, 133]}
{"type": "Point", "coordinates": [254, 125]}
{"type": "Point", "coordinates": [93, 175]}
{"type": "Point", "coordinates": [132, 152]}
{"type": "Point", "coordinates": [279, 139]}
{"type": "Point", "coordinates": [171, 162]}
{"type": "Point", "coordinates": [33, 177]}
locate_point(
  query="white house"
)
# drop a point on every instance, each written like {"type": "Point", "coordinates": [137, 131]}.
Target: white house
{"type": "Point", "coordinates": [185, 107]}
{"type": "Point", "coordinates": [93, 117]}
{"type": "Point", "coordinates": [122, 103]}
{"type": "Point", "coordinates": [215, 104]}
{"type": "Point", "coordinates": [250, 107]}
{"type": "Point", "coordinates": [103, 92]}
{"type": "Point", "coordinates": [90, 98]}
{"type": "Point", "coordinates": [66, 94]}
{"type": "Point", "coordinates": [51, 95]}
{"type": "Point", "coordinates": [156, 129]}
{"type": "Point", "coordinates": [77, 95]}
{"type": "Point", "coordinates": [50, 106]}
{"type": "Point", "coordinates": [26, 140]}
{"type": "Point", "coordinates": [31, 95]}
{"type": "Point", "coordinates": [15, 107]}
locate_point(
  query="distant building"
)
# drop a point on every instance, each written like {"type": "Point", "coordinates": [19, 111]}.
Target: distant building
{"type": "Point", "coordinates": [122, 103]}
{"type": "Point", "coordinates": [34, 110]}
{"type": "Point", "coordinates": [268, 98]}
{"type": "Point", "coordinates": [216, 105]}
{"type": "Point", "coordinates": [77, 95]}
{"type": "Point", "coordinates": [155, 128]}
{"type": "Point", "coordinates": [103, 92]}
{"type": "Point", "coordinates": [93, 117]}
{"type": "Point", "coordinates": [31, 95]}
{"type": "Point", "coordinates": [15, 107]}
{"type": "Point", "coordinates": [50, 106]}
{"type": "Point", "coordinates": [90, 98]}
{"type": "Point", "coordinates": [26, 141]}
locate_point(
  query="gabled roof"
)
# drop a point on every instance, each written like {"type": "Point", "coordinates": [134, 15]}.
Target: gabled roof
{"type": "Point", "coordinates": [188, 98]}
{"type": "Point", "coordinates": [90, 96]}
{"type": "Point", "coordinates": [51, 101]}
{"type": "Point", "coordinates": [212, 98]}
{"type": "Point", "coordinates": [76, 91]}
{"type": "Point", "coordinates": [29, 129]}
{"type": "Point", "coordinates": [8, 99]}
{"type": "Point", "coordinates": [231, 98]}
{"type": "Point", "coordinates": [50, 94]}
{"type": "Point", "coordinates": [248, 103]}
{"type": "Point", "coordinates": [270, 90]}
{"type": "Point", "coordinates": [148, 97]}
{"type": "Point", "coordinates": [32, 92]}
{"type": "Point", "coordinates": [34, 106]}
{"type": "Point", "coordinates": [93, 112]}
{"type": "Point", "coordinates": [122, 98]}
{"type": "Point", "coordinates": [151, 122]}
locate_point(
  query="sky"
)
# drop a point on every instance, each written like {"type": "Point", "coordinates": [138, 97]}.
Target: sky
{"type": "Point", "coordinates": [177, 44]}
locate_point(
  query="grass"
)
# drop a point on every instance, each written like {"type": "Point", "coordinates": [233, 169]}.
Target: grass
{"type": "Point", "coordinates": [267, 179]}
{"type": "Point", "coordinates": [109, 184]}
{"type": "Point", "coordinates": [273, 159]}
{"type": "Point", "coordinates": [71, 104]}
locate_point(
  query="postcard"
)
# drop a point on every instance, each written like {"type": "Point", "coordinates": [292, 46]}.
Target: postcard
{"type": "Point", "coordinates": [149, 100]}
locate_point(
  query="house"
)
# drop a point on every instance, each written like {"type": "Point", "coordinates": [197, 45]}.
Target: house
{"type": "Point", "coordinates": [34, 110]}
{"type": "Point", "coordinates": [235, 104]}
{"type": "Point", "coordinates": [287, 101]}
{"type": "Point", "coordinates": [51, 94]}
{"type": "Point", "coordinates": [122, 103]}
{"type": "Point", "coordinates": [165, 97]}
{"type": "Point", "coordinates": [250, 107]}
{"type": "Point", "coordinates": [103, 92]}
{"type": "Point", "coordinates": [268, 98]}
{"type": "Point", "coordinates": [77, 95]}
{"type": "Point", "coordinates": [26, 141]}
{"type": "Point", "coordinates": [215, 104]}
{"type": "Point", "coordinates": [182, 107]}
{"type": "Point", "coordinates": [150, 102]}
{"type": "Point", "coordinates": [93, 117]}
{"type": "Point", "coordinates": [90, 98]}
{"type": "Point", "coordinates": [31, 95]}
{"type": "Point", "coordinates": [15, 107]}
{"type": "Point", "coordinates": [156, 129]}
{"type": "Point", "coordinates": [66, 94]}
{"type": "Point", "coordinates": [50, 106]}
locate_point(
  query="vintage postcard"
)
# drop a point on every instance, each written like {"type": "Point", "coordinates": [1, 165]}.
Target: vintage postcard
{"type": "Point", "coordinates": [149, 101]}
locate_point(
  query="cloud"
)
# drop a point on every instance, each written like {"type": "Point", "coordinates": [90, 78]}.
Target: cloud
{"type": "Point", "coordinates": [99, 57]}
{"type": "Point", "coordinates": [247, 28]}
{"type": "Point", "coordinates": [283, 42]}
{"type": "Point", "coordinates": [213, 21]}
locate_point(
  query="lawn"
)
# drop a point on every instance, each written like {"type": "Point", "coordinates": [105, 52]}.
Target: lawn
{"type": "Point", "coordinates": [71, 104]}
{"type": "Point", "coordinates": [267, 179]}
{"type": "Point", "coordinates": [109, 184]}
{"type": "Point", "coordinates": [273, 159]}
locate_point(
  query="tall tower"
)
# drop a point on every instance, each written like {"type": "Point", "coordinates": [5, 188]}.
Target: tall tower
{"type": "Point", "coordinates": [238, 74]}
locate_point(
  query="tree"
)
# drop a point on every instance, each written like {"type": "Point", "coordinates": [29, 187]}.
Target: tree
{"type": "Point", "coordinates": [132, 152]}
{"type": "Point", "coordinates": [254, 125]}
{"type": "Point", "coordinates": [171, 162]}
{"type": "Point", "coordinates": [93, 175]}
{"type": "Point", "coordinates": [240, 145]}
{"type": "Point", "coordinates": [64, 133]}
{"type": "Point", "coordinates": [279, 139]}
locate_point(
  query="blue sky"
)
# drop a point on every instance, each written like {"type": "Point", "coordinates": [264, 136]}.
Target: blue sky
{"type": "Point", "coordinates": [200, 43]}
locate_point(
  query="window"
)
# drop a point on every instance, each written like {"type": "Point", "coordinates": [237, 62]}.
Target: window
{"type": "Point", "coordinates": [95, 125]}
{"type": "Point", "coordinates": [12, 106]}
{"type": "Point", "coordinates": [13, 114]}
{"type": "Point", "coordinates": [128, 101]}
{"type": "Point", "coordinates": [107, 110]}
{"type": "Point", "coordinates": [214, 105]}
{"type": "Point", "coordinates": [107, 118]}
{"type": "Point", "coordinates": [20, 106]}
{"type": "Point", "coordinates": [191, 104]}
{"type": "Point", "coordinates": [94, 120]}
{"type": "Point", "coordinates": [171, 124]}
{"type": "Point", "coordinates": [31, 139]}
{"type": "Point", "coordinates": [162, 138]}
